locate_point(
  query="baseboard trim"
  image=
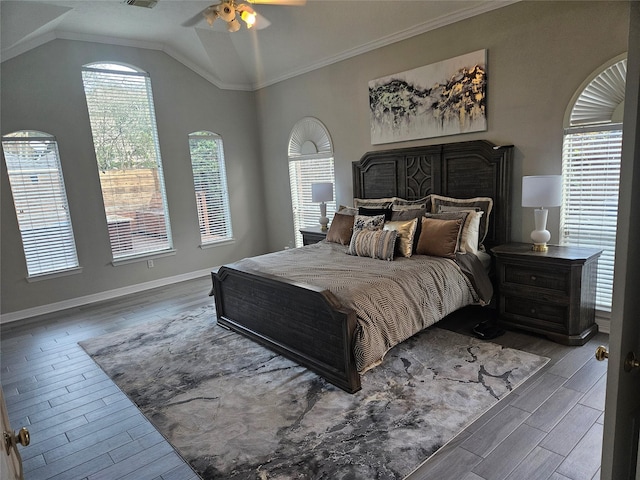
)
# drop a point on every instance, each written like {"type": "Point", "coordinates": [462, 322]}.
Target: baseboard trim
{"type": "Point", "coordinates": [603, 322]}
{"type": "Point", "coordinates": [98, 297]}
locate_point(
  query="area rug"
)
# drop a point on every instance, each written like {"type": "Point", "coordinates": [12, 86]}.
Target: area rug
{"type": "Point", "coordinates": [236, 410]}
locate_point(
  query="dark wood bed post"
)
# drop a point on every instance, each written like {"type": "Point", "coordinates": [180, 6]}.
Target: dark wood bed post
{"type": "Point", "coordinates": [301, 322]}
{"type": "Point", "coordinates": [307, 324]}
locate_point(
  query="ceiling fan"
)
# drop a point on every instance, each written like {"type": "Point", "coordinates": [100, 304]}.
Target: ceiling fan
{"type": "Point", "coordinates": [229, 11]}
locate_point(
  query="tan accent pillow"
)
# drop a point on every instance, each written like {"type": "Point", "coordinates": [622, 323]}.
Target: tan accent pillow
{"type": "Point", "coordinates": [341, 229]}
{"type": "Point", "coordinates": [439, 238]}
{"type": "Point", "coordinates": [406, 232]}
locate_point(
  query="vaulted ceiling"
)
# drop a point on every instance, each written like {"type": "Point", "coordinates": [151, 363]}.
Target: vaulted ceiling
{"type": "Point", "coordinates": [288, 41]}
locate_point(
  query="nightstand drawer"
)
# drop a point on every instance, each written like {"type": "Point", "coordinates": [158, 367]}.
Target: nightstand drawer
{"type": "Point", "coordinates": [548, 292]}
{"type": "Point", "coordinates": [535, 310]}
{"type": "Point", "coordinates": [550, 278]}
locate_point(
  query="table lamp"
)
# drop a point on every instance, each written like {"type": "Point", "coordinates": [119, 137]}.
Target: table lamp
{"type": "Point", "coordinates": [541, 191]}
{"type": "Point", "coordinates": [321, 193]}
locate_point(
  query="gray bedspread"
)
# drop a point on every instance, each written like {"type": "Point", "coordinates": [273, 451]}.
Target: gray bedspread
{"type": "Point", "coordinates": [393, 300]}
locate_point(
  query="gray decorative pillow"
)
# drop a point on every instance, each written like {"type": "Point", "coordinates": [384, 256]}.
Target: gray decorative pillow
{"type": "Point", "coordinates": [347, 210]}
{"type": "Point", "coordinates": [378, 244]}
{"type": "Point", "coordinates": [407, 213]}
{"type": "Point", "coordinates": [400, 203]}
{"type": "Point", "coordinates": [373, 202]}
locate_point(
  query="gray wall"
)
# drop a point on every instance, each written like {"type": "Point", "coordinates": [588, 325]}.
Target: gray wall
{"type": "Point", "coordinates": [42, 90]}
{"type": "Point", "coordinates": [539, 53]}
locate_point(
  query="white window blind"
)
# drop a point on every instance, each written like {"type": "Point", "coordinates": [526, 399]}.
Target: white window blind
{"type": "Point", "coordinates": [40, 200]}
{"type": "Point", "coordinates": [123, 124]}
{"type": "Point", "coordinates": [591, 153]}
{"type": "Point", "coordinates": [310, 161]}
{"type": "Point", "coordinates": [210, 183]}
{"type": "Point", "coordinates": [303, 173]}
{"type": "Point", "coordinates": [591, 177]}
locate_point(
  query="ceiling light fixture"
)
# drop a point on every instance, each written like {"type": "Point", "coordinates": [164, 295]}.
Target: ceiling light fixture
{"type": "Point", "coordinates": [228, 11]}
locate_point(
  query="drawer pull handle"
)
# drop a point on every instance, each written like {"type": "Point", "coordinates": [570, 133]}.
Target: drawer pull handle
{"type": "Point", "coordinates": [533, 310]}
{"type": "Point", "coordinates": [533, 278]}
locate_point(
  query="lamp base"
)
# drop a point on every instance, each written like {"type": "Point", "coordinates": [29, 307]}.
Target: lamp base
{"type": "Point", "coordinates": [540, 247]}
{"type": "Point", "coordinates": [540, 235]}
{"type": "Point", "coordinates": [324, 220]}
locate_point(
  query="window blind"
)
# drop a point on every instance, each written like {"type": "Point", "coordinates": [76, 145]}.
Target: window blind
{"type": "Point", "coordinates": [302, 173]}
{"type": "Point", "coordinates": [210, 184]}
{"type": "Point", "coordinates": [40, 200]}
{"type": "Point", "coordinates": [123, 124]}
{"type": "Point", "coordinates": [591, 178]}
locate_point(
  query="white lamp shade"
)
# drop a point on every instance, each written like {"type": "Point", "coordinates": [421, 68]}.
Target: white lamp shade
{"type": "Point", "coordinates": [321, 192]}
{"type": "Point", "coordinates": [542, 191]}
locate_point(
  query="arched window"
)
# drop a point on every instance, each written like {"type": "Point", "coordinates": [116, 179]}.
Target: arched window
{"type": "Point", "coordinates": [591, 169]}
{"type": "Point", "coordinates": [40, 200]}
{"type": "Point", "coordinates": [125, 139]}
{"type": "Point", "coordinates": [210, 183]}
{"type": "Point", "coordinates": [310, 161]}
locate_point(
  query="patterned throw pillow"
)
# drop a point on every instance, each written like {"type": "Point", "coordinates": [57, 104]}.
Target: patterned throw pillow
{"type": "Point", "coordinates": [365, 222]}
{"type": "Point", "coordinates": [379, 244]}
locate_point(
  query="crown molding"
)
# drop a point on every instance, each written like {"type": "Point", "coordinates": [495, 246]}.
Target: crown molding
{"type": "Point", "coordinates": [425, 27]}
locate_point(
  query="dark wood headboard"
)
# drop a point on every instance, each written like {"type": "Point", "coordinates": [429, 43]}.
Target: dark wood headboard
{"type": "Point", "coordinates": [461, 170]}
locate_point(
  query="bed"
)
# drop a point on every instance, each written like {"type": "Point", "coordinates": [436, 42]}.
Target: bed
{"type": "Point", "coordinates": [301, 316]}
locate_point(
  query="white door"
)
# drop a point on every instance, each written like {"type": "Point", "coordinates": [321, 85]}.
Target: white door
{"type": "Point", "coordinates": [10, 463]}
{"type": "Point", "coordinates": [622, 407]}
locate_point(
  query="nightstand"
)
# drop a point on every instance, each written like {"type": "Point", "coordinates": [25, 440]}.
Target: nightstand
{"type": "Point", "coordinates": [312, 235]}
{"type": "Point", "coordinates": [551, 293]}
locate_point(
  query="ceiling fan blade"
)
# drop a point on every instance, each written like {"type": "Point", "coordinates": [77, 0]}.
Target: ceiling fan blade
{"type": "Point", "coordinates": [261, 22]}
{"type": "Point", "coordinates": [278, 2]}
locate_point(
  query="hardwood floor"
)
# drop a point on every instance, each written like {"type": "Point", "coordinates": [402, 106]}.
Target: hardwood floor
{"type": "Point", "coordinates": [84, 427]}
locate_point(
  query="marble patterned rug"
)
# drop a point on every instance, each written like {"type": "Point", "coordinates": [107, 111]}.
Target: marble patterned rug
{"type": "Point", "coordinates": [235, 410]}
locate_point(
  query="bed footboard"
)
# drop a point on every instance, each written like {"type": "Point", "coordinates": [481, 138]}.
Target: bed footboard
{"type": "Point", "coordinates": [301, 322]}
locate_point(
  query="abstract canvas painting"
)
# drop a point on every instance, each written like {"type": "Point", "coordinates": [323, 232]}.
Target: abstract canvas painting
{"type": "Point", "coordinates": [443, 98]}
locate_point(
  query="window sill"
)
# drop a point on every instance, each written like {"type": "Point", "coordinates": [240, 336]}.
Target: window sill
{"type": "Point", "coordinates": [142, 258]}
{"type": "Point", "coordinates": [228, 241]}
{"type": "Point", "coordinates": [49, 276]}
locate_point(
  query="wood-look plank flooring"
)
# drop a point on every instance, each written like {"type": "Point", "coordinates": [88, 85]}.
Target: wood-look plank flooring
{"type": "Point", "coordinates": [84, 427]}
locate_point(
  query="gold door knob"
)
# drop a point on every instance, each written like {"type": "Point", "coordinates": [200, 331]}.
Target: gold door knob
{"type": "Point", "coordinates": [631, 362]}
{"type": "Point", "coordinates": [22, 437]}
{"type": "Point", "coordinates": [601, 353]}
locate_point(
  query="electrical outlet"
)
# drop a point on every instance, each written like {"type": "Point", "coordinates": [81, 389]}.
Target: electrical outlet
{"type": "Point", "coordinates": [150, 263]}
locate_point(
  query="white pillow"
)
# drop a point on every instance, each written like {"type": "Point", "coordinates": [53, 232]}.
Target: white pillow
{"type": "Point", "coordinates": [471, 232]}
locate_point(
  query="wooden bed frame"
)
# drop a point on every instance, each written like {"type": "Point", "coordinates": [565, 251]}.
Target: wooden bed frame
{"type": "Point", "coordinates": [307, 324]}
